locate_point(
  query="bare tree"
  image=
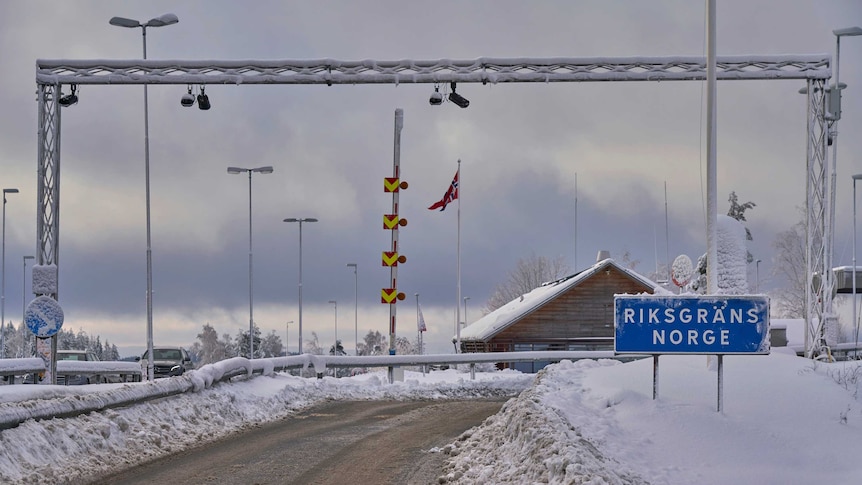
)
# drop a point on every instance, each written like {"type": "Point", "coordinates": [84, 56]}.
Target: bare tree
{"type": "Point", "coordinates": [528, 275]}
{"type": "Point", "coordinates": [627, 261]}
{"type": "Point", "coordinates": [312, 345]}
{"type": "Point", "coordinates": [789, 262]}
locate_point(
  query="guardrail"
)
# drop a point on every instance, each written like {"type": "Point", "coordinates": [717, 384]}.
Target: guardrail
{"type": "Point", "coordinates": [20, 367]}
{"type": "Point", "coordinates": [321, 362]}
{"type": "Point", "coordinates": [13, 414]}
{"type": "Point", "coordinates": [125, 371]}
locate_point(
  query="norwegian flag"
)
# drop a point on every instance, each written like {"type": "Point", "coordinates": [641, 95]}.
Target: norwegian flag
{"type": "Point", "coordinates": [421, 323]}
{"type": "Point", "coordinates": [450, 196]}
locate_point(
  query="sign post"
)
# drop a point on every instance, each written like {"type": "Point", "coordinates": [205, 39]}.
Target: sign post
{"type": "Point", "coordinates": [691, 325]}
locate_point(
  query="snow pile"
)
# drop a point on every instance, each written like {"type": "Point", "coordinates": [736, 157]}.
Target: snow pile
{"type": "Point", "coordinates": [732, 256]}
{"type": "Point", "coordinates": [785, 420]}
{"type": "Point", "coordinates": [72, 449]}
{"type": "Point", "coordinates": [531, 442]}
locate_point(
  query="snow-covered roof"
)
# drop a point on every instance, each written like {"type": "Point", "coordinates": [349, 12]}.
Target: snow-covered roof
{"type": "Point", "coordinates": [501, 318]}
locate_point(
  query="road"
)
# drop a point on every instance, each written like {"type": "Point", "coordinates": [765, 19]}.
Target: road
{"type": "Point", "coordinates": [338, 442]}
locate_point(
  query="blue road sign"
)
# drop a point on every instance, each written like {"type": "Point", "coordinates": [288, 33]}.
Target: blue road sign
{"type": "Point", "coordinates": [650, 324]}
{"type": "Point", "coordinates": [44, 316]}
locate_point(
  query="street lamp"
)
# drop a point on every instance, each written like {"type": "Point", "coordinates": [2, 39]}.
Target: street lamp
{"type": "Point", "coordinates": [300, 220]}
{"type": "Point", "coordinates": [3, 277]}
{"type": "Point", "coordinates": [465, 309]}
{"type": "Point", "coordinates": [835, 111]}
{"type": "Point", "coordinates": [835, 99]}
{"type": "Point", "coordinates": [355, 306]}
{"type": "Point", "coordinates": [234, 171]}
{"type": "Point", "coordinates": [418, 327]}
{"type": "Point", "coordinates": [166, 19]}
{"type": "Point", "coordinates": [757, 276]}
{"type": "Point", "coordinates": [24, 302]}
{"type": "Point", "coordinates": [856, 177]}
{"type": "Point", "coordinates": [335, 304]}
{"type": "Point", "coordinates": [287, 338]}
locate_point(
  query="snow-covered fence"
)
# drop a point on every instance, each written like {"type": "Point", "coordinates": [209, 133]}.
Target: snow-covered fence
{"type": "Point", "coordinates": [14, 413]}
{"type": "Point", "coordinates": [20, 367]}
{"type": "Point", "coordinates": [35, 365]}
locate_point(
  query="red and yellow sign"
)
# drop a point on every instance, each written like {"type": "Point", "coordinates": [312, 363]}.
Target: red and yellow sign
{"type": "Point", "coordinates": [390, 258]}
{"type": "Point", "coordinates": [388, 295]}
{"type": "Point", "coordinates": [390, 221]}
{"type": "Point", "coordinates": [391, 184]}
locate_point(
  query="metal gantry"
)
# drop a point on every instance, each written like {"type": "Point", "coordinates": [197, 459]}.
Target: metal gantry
{"type": "Point", "coordinates": [481, 70]}
{"type": "Point", "coordinates": [51, 75]}
{"type": "Point", "coordinates": [821, 322]}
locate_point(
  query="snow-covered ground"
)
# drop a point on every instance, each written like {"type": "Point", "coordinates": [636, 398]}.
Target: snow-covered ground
{"type": "Point", "coordinates": [785, 420]}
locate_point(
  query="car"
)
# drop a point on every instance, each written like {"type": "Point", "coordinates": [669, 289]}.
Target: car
{"type": "Point", "coordinates": [167, 362]}
{"type": "Point", "coordinates": [79, 356]}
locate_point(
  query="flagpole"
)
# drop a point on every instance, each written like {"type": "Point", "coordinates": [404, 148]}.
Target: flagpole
{"type": "Point", "coordinates": [576, 223]}
{"type": "Point", "coordinates": [458, 299]}
{"type": "Point", "coordinates": [451, 194]}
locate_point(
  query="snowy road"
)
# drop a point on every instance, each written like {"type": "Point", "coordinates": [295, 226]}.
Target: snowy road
{"type": "Point", "coordinates": [336, 442]}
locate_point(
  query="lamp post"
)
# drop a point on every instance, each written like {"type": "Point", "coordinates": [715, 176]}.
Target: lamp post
{"type": "Point", "coordinates": [335, 304]}
{"type": "Point", "coordinates": [757, 276]}
{"type": "Point", "coordinates": [355, 306]}
{"type": "Point", "coordinates": [418, 328]}
{"type": "Point", "coordinates": [856, 177]}
{"type": "Point", "coordinates": [300, 220]}
{"type": "Point", "coordinates": [287, 338]}
{"type": "Point", "coordinates": [234, 171]}
{"type": "Point", "coordinates": [835, 111]}
{"type": "Point", "coordinates": [845, 32]}
{"type": "Point", "coordinates": [3, 277]}
{"type": "Point", "coordinates": [166, 19]}
{"type": "Point", "coordinates": [24, 301]}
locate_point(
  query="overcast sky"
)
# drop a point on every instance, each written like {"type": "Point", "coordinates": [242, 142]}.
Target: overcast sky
{"type": "Point", "coordinates": [522, 146]}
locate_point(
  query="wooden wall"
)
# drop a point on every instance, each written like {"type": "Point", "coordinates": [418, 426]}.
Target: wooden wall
{"type": "Point", "coordinates": [583, 314]}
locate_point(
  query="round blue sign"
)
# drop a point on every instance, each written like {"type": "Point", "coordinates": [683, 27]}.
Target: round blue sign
{"type": "Point", "coordinates": [43, 316]}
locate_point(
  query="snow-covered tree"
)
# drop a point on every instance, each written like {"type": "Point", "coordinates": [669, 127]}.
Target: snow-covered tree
{"type": "Point", "coordinates": [109, 352]}
{"type": "Point", "coordinates": [312, 345]}
{"type": "Point", "coordinates": [789, 262]}
{"type": "Point", "coordinates": [403, 346]}
{"type": "Point", "coordinates": [737, 211]}
{"type": "Point", "coordinates": [8, 330]}
{"type": "Point", "coordinates": [337, 349]}
{"type": "Point", "coordinates": [373, 343]}
{"type": "Point", "coordinates": [734, 284]}
{"type": "Point", "coordinates": [626, 260]}
{"type": "Point", "coordinates": [732, 260]}
{"type": "Point", "coordinates": [231, 349]}
{"type": "Point", "coordinates": [271, 345]}
{"type": "Point", "coordinates": [208, 348]}
{"type": "Point", "coordinates": [242, 342]}
{"type": "Point", "coordinates": [731, 252]}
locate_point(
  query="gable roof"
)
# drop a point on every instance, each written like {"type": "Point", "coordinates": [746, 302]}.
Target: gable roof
{"type": "Point", "coordinates": [503, 317]}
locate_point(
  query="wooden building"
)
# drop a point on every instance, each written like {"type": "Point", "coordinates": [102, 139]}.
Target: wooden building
{"type": "Point", "coordinates": [572, 313]}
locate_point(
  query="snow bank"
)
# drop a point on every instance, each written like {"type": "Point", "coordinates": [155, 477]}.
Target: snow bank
{"type": "Point", "coordinates": [786, 420]}
{"type": "Point", "coordinates": [71, 450]}
{"type": "Point", "coordinates": [531, 442]}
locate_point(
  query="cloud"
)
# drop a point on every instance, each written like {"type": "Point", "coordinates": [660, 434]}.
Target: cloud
{"type": "Point", "coordinates": [521, 146]}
